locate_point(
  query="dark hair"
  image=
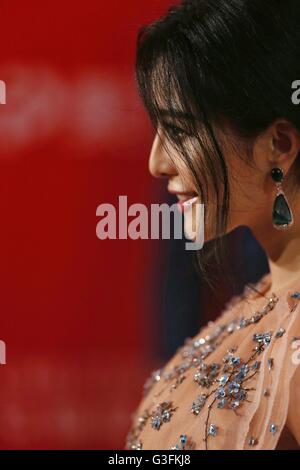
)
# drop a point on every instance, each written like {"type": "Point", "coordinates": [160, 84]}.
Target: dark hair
{"type": "Point", "coordinates": [217, 60]}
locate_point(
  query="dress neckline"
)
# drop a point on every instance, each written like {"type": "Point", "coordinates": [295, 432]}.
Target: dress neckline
{"type": "Point", "coordinates": [262, 288]}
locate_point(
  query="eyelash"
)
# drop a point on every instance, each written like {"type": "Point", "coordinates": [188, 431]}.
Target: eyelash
{"type": "Point", "coordinates": [175, 132]}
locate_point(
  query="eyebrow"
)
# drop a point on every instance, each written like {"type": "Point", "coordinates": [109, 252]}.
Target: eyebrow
{"type": "Point", "coordinates": [177, 114]}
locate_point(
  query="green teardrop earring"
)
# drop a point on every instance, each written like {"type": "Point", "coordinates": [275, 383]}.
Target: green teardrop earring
{"type": "Point", "coordinates": [282, 213]}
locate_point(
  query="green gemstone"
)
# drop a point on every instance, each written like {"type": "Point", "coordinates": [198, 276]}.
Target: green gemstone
{"type": "Point", "coordinates": [282, 214]}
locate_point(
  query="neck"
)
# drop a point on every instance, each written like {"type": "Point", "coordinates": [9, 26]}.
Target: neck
{"type": "Point", "coordinates": [283, 251]}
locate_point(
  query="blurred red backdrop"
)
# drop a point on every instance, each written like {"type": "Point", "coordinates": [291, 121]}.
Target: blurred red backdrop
{"type": "Point", "coordinates": [75, 311]}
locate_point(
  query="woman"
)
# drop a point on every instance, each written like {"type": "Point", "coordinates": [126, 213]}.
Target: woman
{"type": "Point", "coordinates": [216, 78]}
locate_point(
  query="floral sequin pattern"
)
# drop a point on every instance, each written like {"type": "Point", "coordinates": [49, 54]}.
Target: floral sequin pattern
{"type": "Point", "coordinates": [233, 390]}
{"type": "Point", "coordinates": [162, 414]}
{"type": "Point", "coordinates": [229, 384]}
{"type": "Point", "coordinates": [226, 384]}
{"type": "Point", "coordinates": [195, 352]}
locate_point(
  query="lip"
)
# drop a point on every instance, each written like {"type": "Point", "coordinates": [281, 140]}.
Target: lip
{"type": "Point", "coordinates": [183, 196]}
{"type": "Point", "coordinates": [185, 199]}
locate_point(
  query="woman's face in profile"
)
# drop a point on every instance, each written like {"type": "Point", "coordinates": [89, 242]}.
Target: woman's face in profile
{"type": "Point", "coordinates": [251, 189]}
{"type": "Point", "coordinates": [165, 163]}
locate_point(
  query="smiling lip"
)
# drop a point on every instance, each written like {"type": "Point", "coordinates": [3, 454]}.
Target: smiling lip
{"type": "Point", "coordinates": [184, 199]}
{"type": "Point", "coordinates": [183, 196]}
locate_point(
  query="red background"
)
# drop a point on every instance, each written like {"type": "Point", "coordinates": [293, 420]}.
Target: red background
{"type": "Point", "coordinates": [76, 312]}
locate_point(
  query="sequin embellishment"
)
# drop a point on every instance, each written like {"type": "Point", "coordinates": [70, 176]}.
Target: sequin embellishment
{"type": "Point", "coordinates": [273, 429]}
{"type": "Point", "coordinates": [253, 441]}
{"type": "Point", "coordinates": [162, 414]}
{"type": "Point", "coordinates": [293, 299]}
{"type": "Point", "coordinates": [185, 443]}
{"type": "Point", "coordinates": [224, 384]}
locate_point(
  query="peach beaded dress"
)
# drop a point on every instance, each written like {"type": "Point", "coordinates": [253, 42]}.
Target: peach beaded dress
{"type": "Point", "coordinates": [235, 385]}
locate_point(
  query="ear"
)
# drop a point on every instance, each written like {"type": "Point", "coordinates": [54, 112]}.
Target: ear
{"type": "Point", "coordinates": [285, 144]}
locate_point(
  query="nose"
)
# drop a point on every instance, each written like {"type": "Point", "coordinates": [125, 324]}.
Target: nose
{"type": "Point", "coordinates": [160, 163]}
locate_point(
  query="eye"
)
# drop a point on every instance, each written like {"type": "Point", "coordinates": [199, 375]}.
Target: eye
{"type": "Point", "coordinates": [175, 132]}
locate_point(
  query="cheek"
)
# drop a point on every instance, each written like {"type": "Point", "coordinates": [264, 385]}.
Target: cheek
{"type": "Point", "coordinates": [247, 187]}
{"type": "Point", "coordinates": [250, 203]}
{"type": "Point", "coordinates": [185, 175]}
